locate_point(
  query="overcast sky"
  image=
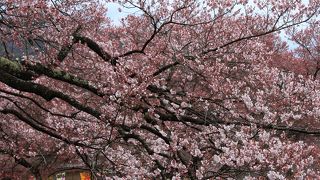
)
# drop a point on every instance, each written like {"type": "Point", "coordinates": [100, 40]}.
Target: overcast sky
{"type": "Point", "coordinates": [114, 14]}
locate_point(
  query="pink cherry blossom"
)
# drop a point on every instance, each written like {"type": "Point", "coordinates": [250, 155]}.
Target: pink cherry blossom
{"type": "Point", "coordinates": [175, 90]}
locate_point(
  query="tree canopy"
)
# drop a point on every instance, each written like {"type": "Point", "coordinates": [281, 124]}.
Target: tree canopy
{"type": "Point", "coordinates": [177, 89]}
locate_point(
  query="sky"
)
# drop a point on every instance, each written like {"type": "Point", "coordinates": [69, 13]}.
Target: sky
{"type": "Point", "coordinates": [113, 12]}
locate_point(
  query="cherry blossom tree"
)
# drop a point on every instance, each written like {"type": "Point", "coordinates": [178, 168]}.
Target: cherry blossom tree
{"type": "Point", "coordinates": [179, 89]}
{"type": "Point", "coordinates": [308, 49]}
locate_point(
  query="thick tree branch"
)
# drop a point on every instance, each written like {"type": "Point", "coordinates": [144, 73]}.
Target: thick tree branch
{"type": "Point", "coordinates": [45, 92]}
{"type": "Point", "coordinates": [77, 38]}
{"type": "Point", "coordinates": [35, 102]}
{"type": "Point", "coordinates": [15, 68]}
{"type": "Point", "coordinates": [63, 76]}
{"type": "Point", "coordinates": [156, 132]}
{"type": "Point", "coordinates": [63, 53]}
{"type": "Point", "coordinates": [26, 71]}
{"type": "Point", "coordinates": [42, 129]}
{"type": "Point", "coordinates": [127, 136]}
{"type": "Point", "coordinates": [94, 47]}
{"type": "Point", "coordinates": [164, 68]}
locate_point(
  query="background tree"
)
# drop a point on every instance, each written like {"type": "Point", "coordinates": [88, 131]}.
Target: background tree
{"type": "Point", "coordinates": [308, 49]}
{"type": "Point", "coordinates": [182, 89]}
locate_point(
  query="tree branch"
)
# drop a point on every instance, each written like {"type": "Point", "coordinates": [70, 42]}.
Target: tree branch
{"type": "Point", "coordinates": [63, 76]}
{"type": "Point", "coordinates": [45, 92]}
{"type": "Point", "coordinates": [42, 129]}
